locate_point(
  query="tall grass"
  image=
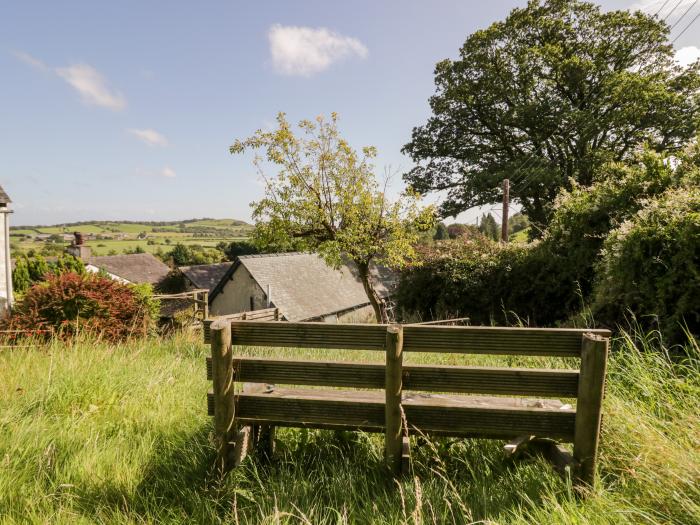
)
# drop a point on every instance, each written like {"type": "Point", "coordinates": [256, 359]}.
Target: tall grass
{"type": "Point", "coordinates": [91, 433]}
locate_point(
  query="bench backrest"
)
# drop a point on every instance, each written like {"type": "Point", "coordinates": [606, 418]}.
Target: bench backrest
{"type": "Point", "coordinates": [580, 426]}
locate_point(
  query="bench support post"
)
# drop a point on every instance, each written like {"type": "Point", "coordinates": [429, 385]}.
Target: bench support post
{"type": "Point", "coordinates": [393, 444]}
{"type": "Point", "coordinates": [222, 375]}
{"type": "Point", "coordinates": [594, 357]}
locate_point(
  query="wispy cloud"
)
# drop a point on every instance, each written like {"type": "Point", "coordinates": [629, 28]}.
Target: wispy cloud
{"type": "Point", "coordinates": [92, 86]}
{"type": "Point", "coordinates": [85, 79]}
{"type": "Point", "coordinates": [167, 172]}
{"type": "Point", "coordinates": [687, 55]}
{"type": "Point", "coordinates": [31, 61]}
{"type": "Point", "coordinates": [305, 50]}
{"type": "Point", "coordinates": [164, 173]}
{"type": "Point", "coordinates": [149, 136]}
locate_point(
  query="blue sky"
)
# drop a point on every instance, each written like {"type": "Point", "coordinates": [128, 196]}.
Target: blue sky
{"type": "Point", "coordinates": [125, 110]}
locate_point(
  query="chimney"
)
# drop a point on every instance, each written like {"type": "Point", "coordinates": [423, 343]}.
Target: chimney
{"type": "Point", "coordinates": [77, 248]}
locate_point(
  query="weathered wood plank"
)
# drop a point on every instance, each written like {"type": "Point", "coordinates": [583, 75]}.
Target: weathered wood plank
{"type": "Point", "coordinates": [474, 416]}
{"type": "Point", "coordinates": [393, 389]}
{"type": "Point", "coordinates": [562, 342]}
{"type": "Point", "coordinates": [594, 357]}
{"type": "Point", "coordinates": [267, 314]}
{"type": "Point", "coordinates": [222, 371]}
{"type": "Point", "coordinates": [443, 378]}
{"type": "Point", "coordinates": [309, 335]}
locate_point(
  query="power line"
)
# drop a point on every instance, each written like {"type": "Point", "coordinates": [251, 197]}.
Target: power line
{"type": "Point", "coordinates": [683, 15]}
{"type": "Point", "coordinates": [672, 10]}
{"type": "Point", "coordinates": [686, 28]}
{"type": "Point", "coordinates": [660, 8]}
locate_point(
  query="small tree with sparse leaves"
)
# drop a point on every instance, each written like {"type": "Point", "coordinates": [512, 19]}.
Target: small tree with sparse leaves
{"type": "Point", "coordinates": [325, 198]}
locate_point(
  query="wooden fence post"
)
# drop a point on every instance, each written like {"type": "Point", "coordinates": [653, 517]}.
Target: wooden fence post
{"type": "Point", "coordinates": [591, 387]}
{"type": "Point", "coordinates": [392, 412]}
{"type": "Point", "coordinates": [222, 375]}
{"type": "Point", "coordinates": [205, 298]}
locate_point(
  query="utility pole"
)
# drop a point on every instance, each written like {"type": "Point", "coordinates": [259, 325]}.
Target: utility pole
{"type": "Point", "coordinates": [504, 223]}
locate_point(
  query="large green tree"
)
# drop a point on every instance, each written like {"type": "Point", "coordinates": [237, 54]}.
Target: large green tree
{"type": "Point", "coordinates": [325, 198]}
{"type": "Point", "coordinates": [547, 96]}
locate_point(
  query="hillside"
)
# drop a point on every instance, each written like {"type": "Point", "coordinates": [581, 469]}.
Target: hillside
{"type": "Point", "coordinates": [108, 237]}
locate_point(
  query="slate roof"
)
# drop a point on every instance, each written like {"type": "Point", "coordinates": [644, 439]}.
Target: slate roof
{"type": "Point", "coordinates": [206, 276]}
{"type": "Point", "coordinates": [134, 267]}
{"type": "Point", "coordinates": [304, 287]}
{"type": "Point", "coordinates": [4, 198]}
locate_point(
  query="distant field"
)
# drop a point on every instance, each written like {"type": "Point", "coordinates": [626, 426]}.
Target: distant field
{"type": "Point", "coordinates": [205, 232]}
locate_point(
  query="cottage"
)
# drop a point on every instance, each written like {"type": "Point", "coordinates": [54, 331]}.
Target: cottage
{"type": "Point", "coordinates": [134, 268]}
{"type": "Point", "coordinates": [5, 257]}
{"type": "Point", "coordinates": [204, 276]}
{"type": "Point", "coordinates": [301, 285]}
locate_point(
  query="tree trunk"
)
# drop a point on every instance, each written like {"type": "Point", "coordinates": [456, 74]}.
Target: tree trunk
{"type": "Point", "coordinates": [377, 303]}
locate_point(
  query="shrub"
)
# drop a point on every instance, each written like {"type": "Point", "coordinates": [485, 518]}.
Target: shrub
{"type": "Point", "coordinates": [650, 266]}
{"type": "Point", "coordinates": [488, 282]}
{"type": "Point", "coordinates": [70, 303]}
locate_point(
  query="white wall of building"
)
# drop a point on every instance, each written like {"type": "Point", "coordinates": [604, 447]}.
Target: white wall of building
{"type": "Point", "coordinates": [237, 293]}
{"type": "Point", "coordinates": [5, 264]}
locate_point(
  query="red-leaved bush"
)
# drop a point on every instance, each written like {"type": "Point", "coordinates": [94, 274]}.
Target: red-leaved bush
{"type": "Point", "coordinates": [70, 303]}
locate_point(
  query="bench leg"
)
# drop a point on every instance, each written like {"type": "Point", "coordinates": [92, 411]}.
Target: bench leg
{"type": "Point", "coordinates": [265, 440]}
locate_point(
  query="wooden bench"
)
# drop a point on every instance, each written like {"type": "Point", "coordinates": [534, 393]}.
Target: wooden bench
{"type": "Point", "coordinates": [398, 399]}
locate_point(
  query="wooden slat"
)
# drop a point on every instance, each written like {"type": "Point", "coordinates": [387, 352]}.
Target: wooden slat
{"type": "Point", "coordinates": [458, 379]}
{"type": "Point", "coordinates": [477, 416]}
{"type": "Point", "coordinates": [496, 340]}
{"type": "Point", "coordinates": [351, 410]}
{"type": "Point", "coordinates": [491, 380]}
{"type": "Point", "coordinates": [309, 335]}
{"type": "Point", "coordinates": [474, 416]}
{"type": "Point", "coordinates": [266, 314]}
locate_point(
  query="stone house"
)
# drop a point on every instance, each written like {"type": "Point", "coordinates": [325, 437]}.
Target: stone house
{"type": "Point", "coordinates": [301, 285]}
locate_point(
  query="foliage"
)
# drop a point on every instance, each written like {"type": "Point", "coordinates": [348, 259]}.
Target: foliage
{"type": "Point", "coordinates": [119, 434]}
{"type": "Point", "coordinates": [458, 231]}
{"type": "Point", "coordinates": [651, 266]}
{"type": "Point", "coordinates": [187, 255]}
{"type": "Point", "coordinates": [547, 97]}
{"type": "Point", "coordinates": [30, 270]}
{"type": "Point", "coordinates": [441, 232]}
{"type": "Point", "coordinates": [489, 227]}
{"type": "Point", "coordinates": [488, 282]}
{"type": "Point", "coordinates": [72, 303]}
{"type": "Point", "coordinates": [325, 198]}
{"type": "Point", "coordinates": [549, 281]}
{"type": "Point", "coordinates": [235, 248]}
{"type": "Point", "coordinates": [517, 223]}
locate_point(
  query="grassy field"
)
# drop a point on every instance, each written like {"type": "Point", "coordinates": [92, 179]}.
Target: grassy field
{"type": "Point", "coordinates": [125, 235]}
{"type": "Point", "coordinates": [91, 433]}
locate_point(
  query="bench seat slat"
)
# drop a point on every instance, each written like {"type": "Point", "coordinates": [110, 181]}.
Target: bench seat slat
{"type": "Point", "coordinates": [473, 416]}
{"type": "Point", "coordinates": [433, 378]}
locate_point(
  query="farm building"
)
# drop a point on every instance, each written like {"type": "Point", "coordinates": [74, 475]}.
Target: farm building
{"type": "Point", "coordinates": [134, 268]}
{"type": "Point", "coordinates": [301, 285]}
{"type": "Point", "coordinates": [5, 258]}
{"type": "Point", "coordinates": [204, 276]}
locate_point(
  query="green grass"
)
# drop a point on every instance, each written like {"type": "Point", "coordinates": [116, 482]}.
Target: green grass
{"type": "Point", "coordinates": [91, 433]}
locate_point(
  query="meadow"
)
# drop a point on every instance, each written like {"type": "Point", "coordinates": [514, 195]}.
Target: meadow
{"type": "Point", "coordinates": [93, 433]}
{"type": "Point", "coordinates": [124, 237]}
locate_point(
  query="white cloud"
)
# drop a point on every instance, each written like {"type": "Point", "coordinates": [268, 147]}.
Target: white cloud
{"type": "Point", "coordinates": [305, 50]}
{"type": "Point", "coordinates": [149, 136]}
{"type": "Point", "coordinates": [687, 55]}
{"type": "Point", "coordinates": [92, 87]}
{"type": "Point", "coordinates": [31, 61]}
{"type": "Point", "coordinates": [167, 172]}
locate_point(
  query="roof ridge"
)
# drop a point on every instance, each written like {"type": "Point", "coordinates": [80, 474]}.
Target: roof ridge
{"type": "Point", "coordinates": [277, 254]}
